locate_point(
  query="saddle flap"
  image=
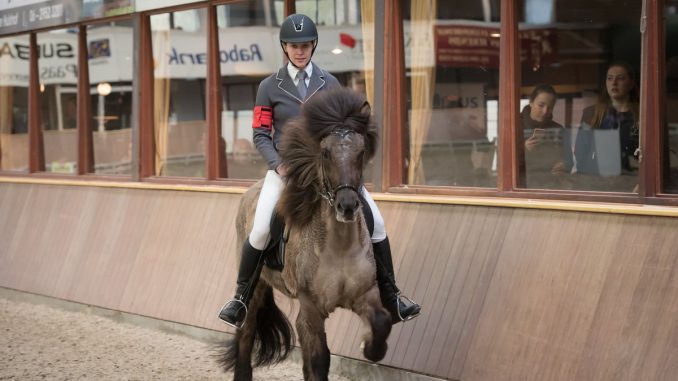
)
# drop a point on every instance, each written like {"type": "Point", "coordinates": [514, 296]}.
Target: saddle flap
{"type": "Point", "coordinates": [274, 253]}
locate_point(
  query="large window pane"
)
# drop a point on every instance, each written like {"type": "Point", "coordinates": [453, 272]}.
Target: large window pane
{"type": "Point", "coordinates": [110, 49]}
{"type": "Point", "coordinates": [248, 53]}
{"type": "Point", "coordinates": [14, 55]}
{"type": "Point", "coordinates": [58, 68]}
{"type": "Point", "coordinates": [671, 14]}
{"type": "Point", "coordinates": [452, 60]}
{"type": "Point", "coordinates": [579, 106]}
{"type": "Point", "coordinates": [179, 54]}
{"type": "Point", "coordinates": [346, 45]}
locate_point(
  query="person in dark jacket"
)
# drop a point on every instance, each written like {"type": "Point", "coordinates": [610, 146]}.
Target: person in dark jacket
{"type": "Point", "coordinates": [279, 98]}
{"type": "Point", "coordinates": [542, 163]}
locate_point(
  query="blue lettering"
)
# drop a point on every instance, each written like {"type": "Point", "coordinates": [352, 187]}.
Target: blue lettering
{"type": "Point", "coordinates": [174, 58]}
{"type": "Point", "coordinates": [254, 48]}
{"type": "Point", "coordinates": [233, 55]}
{"type": "Point", "coordinates": [189, 55]}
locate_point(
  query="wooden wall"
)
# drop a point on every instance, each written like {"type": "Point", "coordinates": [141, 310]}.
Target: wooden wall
{"type": "Point", "coordinates": [507, 293]}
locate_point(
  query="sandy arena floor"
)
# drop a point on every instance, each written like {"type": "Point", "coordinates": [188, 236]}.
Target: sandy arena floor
{"type": "Point", "coordinates": [38, 342]}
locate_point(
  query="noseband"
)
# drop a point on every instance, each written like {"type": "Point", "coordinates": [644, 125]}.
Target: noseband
{"type": "Point", "coordinates": [329, 193]}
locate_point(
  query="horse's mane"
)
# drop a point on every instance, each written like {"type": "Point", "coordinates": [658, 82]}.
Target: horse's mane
{"type": "Point", "coordinates": [300, 147]}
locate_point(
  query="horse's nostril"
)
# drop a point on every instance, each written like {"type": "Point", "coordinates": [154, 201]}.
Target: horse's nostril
{"type": "Point", "coordinates": [347, 206]}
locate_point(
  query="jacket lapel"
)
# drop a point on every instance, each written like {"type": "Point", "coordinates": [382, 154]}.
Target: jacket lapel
{"type": "Point", "coordinates": [286, 84]}
{"type": "Point", "coordinates": [317, 81]}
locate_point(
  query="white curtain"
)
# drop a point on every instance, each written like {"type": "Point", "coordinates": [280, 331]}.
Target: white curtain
{"type": "Point", "coordinates": [423, 17]}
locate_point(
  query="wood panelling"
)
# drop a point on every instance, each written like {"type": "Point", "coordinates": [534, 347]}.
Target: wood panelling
{"type": "Point", "coordinates": [507, 293]}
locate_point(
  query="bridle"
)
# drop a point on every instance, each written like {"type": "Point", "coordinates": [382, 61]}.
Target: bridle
{"type": "Point", "coordinates": [329, 193]}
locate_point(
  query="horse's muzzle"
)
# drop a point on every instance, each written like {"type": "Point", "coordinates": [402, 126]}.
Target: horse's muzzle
{"type": "Point", "coordinates": [346, 205]}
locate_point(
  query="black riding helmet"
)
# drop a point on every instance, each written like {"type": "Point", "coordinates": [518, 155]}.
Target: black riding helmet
{"type": "Point", "coordinates": [298, 28]}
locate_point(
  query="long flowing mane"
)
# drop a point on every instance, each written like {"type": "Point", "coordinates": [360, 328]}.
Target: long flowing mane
{"type": "Point", "coordinates": [300, 147]}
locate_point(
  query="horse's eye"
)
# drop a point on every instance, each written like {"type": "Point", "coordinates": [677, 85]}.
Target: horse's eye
{"type": "Point", "coordinates": [326, 154]}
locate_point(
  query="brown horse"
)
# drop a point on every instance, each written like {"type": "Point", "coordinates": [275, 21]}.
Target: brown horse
{"type": "Point", "coordinates": [329, 261]}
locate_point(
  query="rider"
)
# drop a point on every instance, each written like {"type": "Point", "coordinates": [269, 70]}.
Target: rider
{"type": "Point", "coordinates": [279, 98]}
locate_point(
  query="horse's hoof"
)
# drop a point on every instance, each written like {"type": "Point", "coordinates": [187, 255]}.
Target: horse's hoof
{"type": "Point", "coordinates": [375, 353]}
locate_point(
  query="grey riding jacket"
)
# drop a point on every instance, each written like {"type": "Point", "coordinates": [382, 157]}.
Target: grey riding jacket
{"type": "Point", "coordinates": [278, 100]}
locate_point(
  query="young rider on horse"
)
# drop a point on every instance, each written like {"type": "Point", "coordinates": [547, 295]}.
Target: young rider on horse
{"type": "Point", "coordinates": [279, 98]}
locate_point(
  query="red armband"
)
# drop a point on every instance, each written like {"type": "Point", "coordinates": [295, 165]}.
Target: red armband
{"type": "Point", "coordinates": [263, 117]}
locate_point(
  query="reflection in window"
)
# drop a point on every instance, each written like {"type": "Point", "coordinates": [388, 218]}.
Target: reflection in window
{"type": "Point", "coordinates": [671, 14]}
{"type": "Point", "coordinates": [58, 68]}
{"type": "Point", "coordinates": [579, 106]}
{"type": "Point", "coordinates": [109, 48]}
{"type": "Point", "coordinates": [252, 13]}
{"type": "Point", "coordinates": [14, 54]}
{"type": "Point", "coordinates": [452, 60]}
{"type": "Point", "coordinates": [346, 44]}
{"type": "Point", "coordinates": [248, 53]}
{"type": "Point", "coordinates": [180, 59]}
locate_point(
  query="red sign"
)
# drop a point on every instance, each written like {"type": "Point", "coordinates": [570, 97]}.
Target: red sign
{"type": "Point", "coordinates": [473, 46]}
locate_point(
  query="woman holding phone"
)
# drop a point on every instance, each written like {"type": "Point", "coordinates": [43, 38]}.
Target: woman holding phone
{"type": "Point", "coordinates": [541, 161]}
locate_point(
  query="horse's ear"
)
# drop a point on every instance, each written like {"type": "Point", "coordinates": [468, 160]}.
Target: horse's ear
{"type": "Point", "coordinates": [366, 108]}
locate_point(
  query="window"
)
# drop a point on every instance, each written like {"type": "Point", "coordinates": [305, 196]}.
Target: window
{"type": "Point", "coordinates": [58, 70]}
{"type": "Point", "coordinates": [247, 54]}
{"type": "Point", "coordinates": [452, 60]}
{"type": "Point", "coordinates": [345, 45]}
{"type": "Point", "coordinates": [14, 56]}
{"type": "Point", "coordinates": [110, 50]}
{"type": "Point", "coordinates": [180, 59]}
{"type": "Point", "coordinates": [580, 96]}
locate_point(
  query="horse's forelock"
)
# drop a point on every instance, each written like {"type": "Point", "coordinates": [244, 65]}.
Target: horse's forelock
{"type": "Point", "coordinates": [338, 108]}
{"type": "Point", "coordinates": [341, 108]}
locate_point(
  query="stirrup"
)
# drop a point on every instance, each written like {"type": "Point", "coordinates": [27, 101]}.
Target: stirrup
{"type": "Point", "coordinates": [234, 325]}
{"type": "Point", "coordinates": [411, 302]}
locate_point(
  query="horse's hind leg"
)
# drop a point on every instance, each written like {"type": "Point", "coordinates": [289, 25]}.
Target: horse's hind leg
{"type": "Point", "coordinates": [374, 315]}
{"type": "Point", "coordinates": [244, 338]}
{"type": "Point", "coordinates": [311, 331]}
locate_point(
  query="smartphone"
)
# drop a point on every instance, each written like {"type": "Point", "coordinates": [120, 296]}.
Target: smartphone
{"type": "Point", "coordinates": [539, 133]}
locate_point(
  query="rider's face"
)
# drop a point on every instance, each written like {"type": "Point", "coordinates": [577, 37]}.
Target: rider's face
{"type": "Point", "coordinates": [299, 52]}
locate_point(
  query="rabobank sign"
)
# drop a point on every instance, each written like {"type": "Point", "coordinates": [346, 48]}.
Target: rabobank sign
{"type": "Point", "coordinates": [242, 51]}
{"type": "Point", "coordinates": [235, 54]}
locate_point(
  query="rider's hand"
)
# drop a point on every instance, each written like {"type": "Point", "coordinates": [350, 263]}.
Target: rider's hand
{"type": "Point", "coordinates": [281, 169]}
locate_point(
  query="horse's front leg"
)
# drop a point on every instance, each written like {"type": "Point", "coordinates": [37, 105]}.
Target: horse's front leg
{"type": "Point", "coordinates": [310, 326]}
{"type": "Point", "coordinates": [375, 316]}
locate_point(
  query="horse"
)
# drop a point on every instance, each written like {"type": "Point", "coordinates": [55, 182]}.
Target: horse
{"type": "Point", "coordinates": [329, 261]}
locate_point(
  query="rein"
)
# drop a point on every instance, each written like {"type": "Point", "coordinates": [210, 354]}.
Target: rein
{"type": "Point", "coordinates": [329, 193]}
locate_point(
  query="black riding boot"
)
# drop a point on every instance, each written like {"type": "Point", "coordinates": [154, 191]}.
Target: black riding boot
{"type": "Point", "coordinates": [234, 311]}
{"type": "Point", "coordinates": [390, 294]}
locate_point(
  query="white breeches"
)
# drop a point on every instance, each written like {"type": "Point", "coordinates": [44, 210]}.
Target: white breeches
{"type": "Point", "coordinates": [268, 198]}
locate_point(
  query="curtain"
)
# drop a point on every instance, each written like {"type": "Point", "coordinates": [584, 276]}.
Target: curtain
{"type": "Point", "coordinates": [422, 83]}
{"type": "Point", "coordinates": [367, 25]}
{"type": "Point", "coordinates": [6, 103]}
{"type": "Point", "coordinates": [161, 99]}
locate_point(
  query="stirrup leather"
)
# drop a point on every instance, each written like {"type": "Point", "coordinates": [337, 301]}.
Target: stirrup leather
{"type": "Point", "coordinates": [234, 325]}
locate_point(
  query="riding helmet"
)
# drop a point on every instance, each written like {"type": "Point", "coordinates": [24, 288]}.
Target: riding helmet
{"type": "Point", "coordinates": [298, 28]}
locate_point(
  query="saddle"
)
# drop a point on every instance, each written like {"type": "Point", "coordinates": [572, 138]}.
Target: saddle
{"type": "Point", "coordinates": [274, 253]}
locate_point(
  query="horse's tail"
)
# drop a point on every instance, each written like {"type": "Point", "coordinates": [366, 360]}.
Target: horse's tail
{"type": "Point", "coordinates": [273, 336]}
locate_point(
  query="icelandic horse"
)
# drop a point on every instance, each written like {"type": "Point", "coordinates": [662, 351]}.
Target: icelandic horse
{"type": "Point", "coordinates": [329, 261]}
